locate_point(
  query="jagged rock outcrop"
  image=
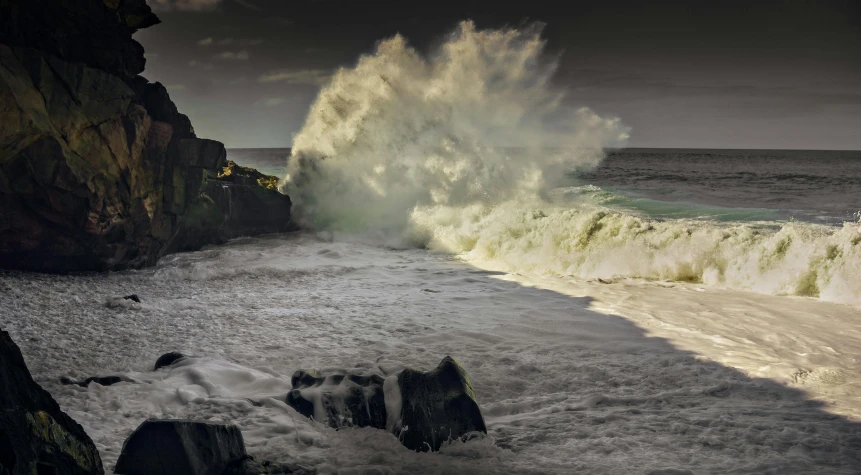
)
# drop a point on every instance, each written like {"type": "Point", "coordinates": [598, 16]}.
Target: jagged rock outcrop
{"type": "Point", "coordinates": [37, 437]}
{"type": "Point", "coordinates": [423, 409]}
{"type": "Point", "coordinates": [98, 168]}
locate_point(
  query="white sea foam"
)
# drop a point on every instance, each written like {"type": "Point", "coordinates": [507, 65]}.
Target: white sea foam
{"type": "Point", "coordinates": [399, 130]}
{"type": "Point", "coordinates": [593, 242]}
{"type": "Point", "coordinates": [404, 149]}
{"type": "Point", "coordinates": [572, 375]}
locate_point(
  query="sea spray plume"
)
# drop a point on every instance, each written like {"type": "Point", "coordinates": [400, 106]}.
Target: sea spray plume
{"type": "Point", "coordinates": [400, 130]}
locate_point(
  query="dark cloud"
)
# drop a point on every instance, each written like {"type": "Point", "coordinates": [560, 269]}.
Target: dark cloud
{"type": "Point", "coordinates": [183, 5]}
{"type": "Point", "coordinates": [759, 74]}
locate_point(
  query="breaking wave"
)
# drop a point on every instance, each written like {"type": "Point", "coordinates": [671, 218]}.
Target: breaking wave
{"type": "Point", "coordinates": [419, 150]}
{"type": "Point", "coordinates": [401, 130]}
{"type": "Point", "coordinates": [594, 242]}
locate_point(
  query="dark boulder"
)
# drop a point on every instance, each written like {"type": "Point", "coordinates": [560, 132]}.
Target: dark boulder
{"type": "Point", "coordinates": [422, 408]}
{"type": "Point", "coordinates": [133, 298]}
{"type": "Point", "coordinates": [179, 447]}
{"type": "Point", "coordinates": [36, 436]}
{"type": "Point", "coordinates": [437, 406]}
{"type": "Point", "coordinates": [167, 359]}
{"type": "Point", "coordinates": [346, 400]}
{"type": "Point", "coordinates": [249, 466]}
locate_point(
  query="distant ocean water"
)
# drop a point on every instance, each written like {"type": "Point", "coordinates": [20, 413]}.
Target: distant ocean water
{"type": "Point", "coordinates": [822, 187]}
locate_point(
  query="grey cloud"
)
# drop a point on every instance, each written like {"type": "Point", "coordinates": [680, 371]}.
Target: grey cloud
{"type": "Point", "coordinates": [315, 77]}
{"type": "Point", "coordinates": [233, 55]}
{"type": "Point", "coordinates": [183, 5]}
{"type": "Point", "coordinates": [200, 64]}
{"type": "Point", "coordinates": [229, 41]}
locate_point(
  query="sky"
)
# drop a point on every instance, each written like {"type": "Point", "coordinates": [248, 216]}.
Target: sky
{"type": "Point", "coordinates": [698, 74]}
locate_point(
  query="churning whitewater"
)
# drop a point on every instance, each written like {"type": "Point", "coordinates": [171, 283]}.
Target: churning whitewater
{"type": "Point", "coordinates": [472, 151]}
{"type": "Point", "coordinates": [446, 221]}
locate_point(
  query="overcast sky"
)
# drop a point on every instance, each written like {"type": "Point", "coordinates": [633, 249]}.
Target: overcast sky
{"type": "Point", "coordinates": [710, 74]}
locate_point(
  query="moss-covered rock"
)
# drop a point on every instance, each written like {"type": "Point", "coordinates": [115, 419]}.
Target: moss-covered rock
{"type": "Point", "coordinates": [35, 435]}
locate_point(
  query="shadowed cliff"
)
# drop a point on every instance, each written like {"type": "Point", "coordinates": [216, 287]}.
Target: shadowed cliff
{"type": "Point", "coordinates": [98, 168]}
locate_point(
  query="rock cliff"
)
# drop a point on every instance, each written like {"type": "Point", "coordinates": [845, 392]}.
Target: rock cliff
{"type": "Point", "coordinates": [98, 168]}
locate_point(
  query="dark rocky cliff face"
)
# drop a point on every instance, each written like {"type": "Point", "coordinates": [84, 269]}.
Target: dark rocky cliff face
{"type": "Point", "coordinates": [98, 168]}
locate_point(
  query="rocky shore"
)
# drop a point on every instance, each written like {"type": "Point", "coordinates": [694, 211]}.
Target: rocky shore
{"type": "Point", "coordinates": [98, 169]}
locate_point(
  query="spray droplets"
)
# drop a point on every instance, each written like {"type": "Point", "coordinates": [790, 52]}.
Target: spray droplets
{"type": "Point", "coordinates": [401, 130]}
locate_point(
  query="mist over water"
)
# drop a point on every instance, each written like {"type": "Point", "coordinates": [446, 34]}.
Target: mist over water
{"type": "Point", "coordinates": [401, 130]}
{"type": "Point", "coordinates": [408, 150]}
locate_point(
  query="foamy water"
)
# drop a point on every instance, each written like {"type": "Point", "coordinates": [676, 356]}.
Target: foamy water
{"type": "Point", "coordinates": [602, 333]}
{"type": "Point", "coordinates": [571, 375]}
{"type": "Point", "coordinates": [407, 150]}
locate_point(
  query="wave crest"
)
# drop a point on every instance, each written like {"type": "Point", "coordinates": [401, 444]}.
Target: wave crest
{"type": "Point", "coordinates": [401, 130]}
{"type": "Point", "coordinates": [594, 242]}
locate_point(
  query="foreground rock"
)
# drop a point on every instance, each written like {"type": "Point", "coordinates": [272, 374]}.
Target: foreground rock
{"type": "Point", "coordinates": [423, 409]}
{"type": "Point", "coordinates": [98, 169]}
{"type": "Point", "coordinates": [36, 437]}
{"type": "Point", "coordinates": [178, 447]}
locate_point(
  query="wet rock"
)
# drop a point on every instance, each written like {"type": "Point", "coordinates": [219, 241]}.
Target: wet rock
{"type": "Point", "coordinates": [437, 406]}
{"type": "Point", "coordinates": [346, 400]}
{"type": "Point", "coordinates": [163, 361]}
{"type": "Point", "coordinates": [35, 435]}
{"type": "Point", "coordinates": [167, 359]}
{"type": "Point", "coordinates": [133, 297]}
{"type": "Point", "coordinates": [103, 380]}
{"type": "Point", "coordinates": [93, 32]}
{"type": "Point", "coordinates": [423, 409]}
{"type": "Point", "coordinates": [180, 447]}
{"type": "Point", "coordinates": [98, 169]}
{"type": "Point", "coordinates": [249, 466]}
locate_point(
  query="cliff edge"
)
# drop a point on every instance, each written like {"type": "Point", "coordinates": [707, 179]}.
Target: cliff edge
{"type": "Point", "coordinates": [98, 168]}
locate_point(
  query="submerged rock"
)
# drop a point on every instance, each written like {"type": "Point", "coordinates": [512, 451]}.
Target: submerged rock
{"type": "Point", "coordinates": [423, 409]}
{"type": "Point", "coordinates": [167, 359]}
{"type": "Point", "coordinates": [133, 298]}
{"type": "Point", "coordinates": [180, 447]}
{"type": "Point", "coordinates": [163, 361]}
{"type": "Point", "coordinates": [103, 380]}
{"type": "Point", "coordinates": [36, 436]}
{"type": "Point", "coordinates": [340, 400]}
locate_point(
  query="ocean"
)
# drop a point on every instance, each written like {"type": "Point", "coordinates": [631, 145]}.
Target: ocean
{"type": "Point", "coordinates": [815, 186]}
{"type": "Point", "coordinates": [608, 373]}
{"type": "Point", "coordinates": [630, 311]}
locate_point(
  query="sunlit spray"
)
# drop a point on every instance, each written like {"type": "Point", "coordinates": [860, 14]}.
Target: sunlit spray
{"type": "Point", "coordinates": [401, 130]}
